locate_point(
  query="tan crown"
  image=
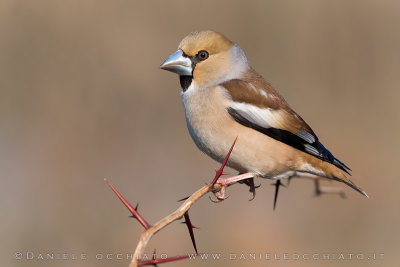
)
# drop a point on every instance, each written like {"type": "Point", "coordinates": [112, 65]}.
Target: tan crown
{"type": "Point", "coordinates": [210, 41]}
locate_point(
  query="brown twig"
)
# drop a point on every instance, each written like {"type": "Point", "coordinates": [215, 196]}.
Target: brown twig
{"type": "Point", "coordinates": [217, 187]}
{"type": "Point", "coordinates": [179, 213]}
{"type": "Point", "coordinates": [176, 215]}
{"type": "Point", "coordinates": [319, 190]}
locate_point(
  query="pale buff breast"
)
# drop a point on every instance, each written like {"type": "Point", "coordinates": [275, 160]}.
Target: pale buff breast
{"type": "Point", "coordinates": [214, 135]}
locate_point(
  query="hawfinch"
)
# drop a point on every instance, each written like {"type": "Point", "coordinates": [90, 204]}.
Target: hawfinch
{"type": "Point", "coordinates": [224, 98]}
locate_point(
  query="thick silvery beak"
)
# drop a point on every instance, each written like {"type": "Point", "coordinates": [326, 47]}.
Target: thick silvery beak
{"type": "Point", "coordinates": [178, 63]}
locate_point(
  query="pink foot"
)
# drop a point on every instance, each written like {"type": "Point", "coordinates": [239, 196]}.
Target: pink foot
{"type": "Point", "coordinates": [225, 182]}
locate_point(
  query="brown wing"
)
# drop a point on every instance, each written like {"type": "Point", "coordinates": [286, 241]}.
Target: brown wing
{"type": "Point", "coordinates": [256, 104]}
{"type": "Point", "coordinates": [253, 89]}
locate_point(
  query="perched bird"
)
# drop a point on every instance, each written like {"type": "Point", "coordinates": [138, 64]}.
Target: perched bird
{"type": "Point", "coordinates": [224, 97]}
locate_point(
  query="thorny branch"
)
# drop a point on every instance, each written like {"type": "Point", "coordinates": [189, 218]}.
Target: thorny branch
{"type": "Point", "coordinates": [217, 187]}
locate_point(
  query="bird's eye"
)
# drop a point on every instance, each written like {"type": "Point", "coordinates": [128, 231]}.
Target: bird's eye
{"type": "Point", "coordinates": [202, 55]}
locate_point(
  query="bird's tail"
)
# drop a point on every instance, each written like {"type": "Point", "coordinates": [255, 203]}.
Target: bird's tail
{"type": "Point", "coordinates": [334, 173]}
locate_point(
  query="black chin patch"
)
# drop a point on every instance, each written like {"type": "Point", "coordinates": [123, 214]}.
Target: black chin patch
{"type": "Point", "coordinates": [185, 82]}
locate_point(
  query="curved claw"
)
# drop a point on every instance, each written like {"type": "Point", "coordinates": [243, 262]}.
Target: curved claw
{"type": "Point", "coordinates": [221, 194]}
{"type": "Point", "coordinates": [218, 200]}
{"type": "Point", "coordinates": [222, 198]}
{"type": "Point", "coordinates": [214, 201]}
{"type": "Point", "coordinates": [224, 183]}
{"type": "Point", "coordinates": [253, 196]}
{"type": "Point", "coordinates": [252, 188]}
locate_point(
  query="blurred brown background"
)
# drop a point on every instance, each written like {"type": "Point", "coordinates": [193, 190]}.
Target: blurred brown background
{"type": "Point", "coordinates": [82, 98]}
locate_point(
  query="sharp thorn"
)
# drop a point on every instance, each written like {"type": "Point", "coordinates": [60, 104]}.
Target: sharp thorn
{"type": "Point", "coordinates": [163, 260]}
{"type": "Point", "coordinates": [190, 228]}
{"type": "Point", "coordinates": [220, 171]}
{"type": "Point", "coordinates": [277, 184]}
{"type": "Point", "coordinates": [133, 211]}
{"type": "Point", "coordinates": [183, 199]}
{"type": "Point", "coordinates": [193, 226]}
{"type": "Point", "coordinates": [154, 258]}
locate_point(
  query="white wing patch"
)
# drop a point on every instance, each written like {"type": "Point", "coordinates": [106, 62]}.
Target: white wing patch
{"type": "Point", "coordinates": [312, 150]}
{"type": "Point", "coordinates": [264, 117]}
{"type": "Point", "coordinates": [306, 136]}
{"type": "Point", "coordinates": [271, 118]}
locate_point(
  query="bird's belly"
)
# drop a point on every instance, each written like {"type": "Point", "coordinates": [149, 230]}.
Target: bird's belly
{"type": "Point", "coordinates": [214, 134]}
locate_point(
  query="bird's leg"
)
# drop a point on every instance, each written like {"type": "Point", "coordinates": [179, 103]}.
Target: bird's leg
{"type": "Point", "coordinates": [225, 182]}
{"type": "Point", "coordinates": [319, 190]}
{"type": "Point", "coordinates": [252, 187]}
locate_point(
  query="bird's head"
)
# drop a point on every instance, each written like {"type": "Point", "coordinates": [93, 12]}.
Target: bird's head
{"type": "Point", "coordinates": [206, 58]}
